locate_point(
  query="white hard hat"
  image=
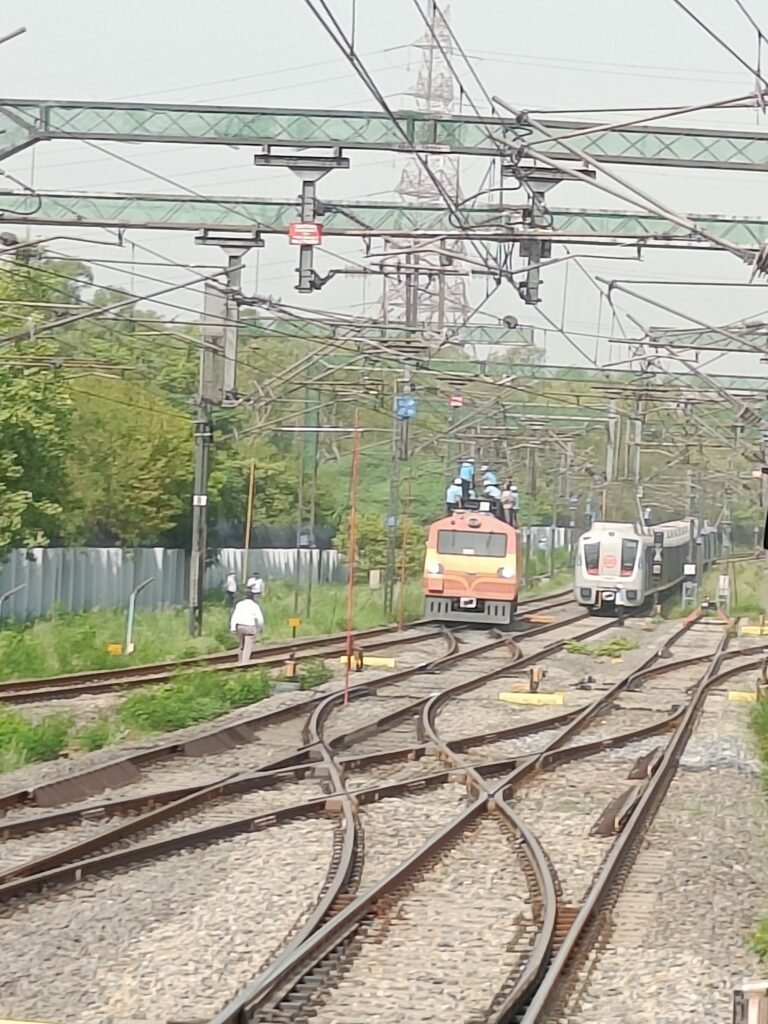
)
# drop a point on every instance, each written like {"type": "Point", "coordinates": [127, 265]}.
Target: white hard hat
{"type": "Point", "coordinates": [513, 487]}
{"type": "Point", "coordinates": [457, 480]}
{"type": "Point", "coordinates": [483, 468]}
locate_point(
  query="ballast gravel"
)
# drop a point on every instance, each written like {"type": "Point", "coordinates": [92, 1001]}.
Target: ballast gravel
{"type": "Point", "coordinates": [444, 950]}
{"type": "Point", "coordinates": [696, 892]}
{"type": "Point", "coordinates": [173, 939]}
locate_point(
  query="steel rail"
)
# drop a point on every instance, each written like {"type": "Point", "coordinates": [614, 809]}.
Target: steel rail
{"type": "Point", "coordinates": [280, 972]}
{"type": "Point", "coordinates": [73, 684]}
{"type": "Point", "coordinates": [248, 781]}
{"type": "Point", "coordinates": [125, 768]}
{"type": "Point", "coordinates": [22, 879]}
{"type": "Point", "coordinates": [624, 850]}
{"type": "Point", "coordinates": [301, 759]}
{"type": "Point", "coordinates": [60, 688]}
{"type": "Point", "coordinates": [541, 953]}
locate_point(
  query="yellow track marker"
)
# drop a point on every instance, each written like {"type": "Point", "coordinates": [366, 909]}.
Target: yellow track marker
{"type": "Point", "coordinates": [736, 695]}
{"type": "Point", "coordinates": [539, 617]}
{"type": "Point", "coordinates": [753, 631]}
{"type": "Point", "coordinates": [367, 663]}
{"type": "Point", "coordinates": [533, 698]}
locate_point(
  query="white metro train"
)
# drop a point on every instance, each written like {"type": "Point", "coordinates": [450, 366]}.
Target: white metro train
{"type": "Point", "coordinates": [621, 565]}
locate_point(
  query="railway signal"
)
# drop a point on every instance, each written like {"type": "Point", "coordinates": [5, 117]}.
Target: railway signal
{"type": "Point", "coordinates": [658, 553]}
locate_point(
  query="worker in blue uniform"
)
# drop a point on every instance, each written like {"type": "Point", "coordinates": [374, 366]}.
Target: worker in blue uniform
{"type": "Point", "coordinates": [467, 477]}
{"type": "Point", "coordinates": [453, 496]}
{"type": "Point", "coordinates": [489, 477]}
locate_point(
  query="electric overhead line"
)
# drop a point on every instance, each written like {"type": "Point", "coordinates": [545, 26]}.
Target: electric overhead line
{"type": "Point", "coordinates": [756, 72]}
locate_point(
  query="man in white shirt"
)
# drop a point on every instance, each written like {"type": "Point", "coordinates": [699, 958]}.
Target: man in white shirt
{"type": "Point", "coordinates": [246, 622]}
{"type": "Point", "coordinates": [230, 587]}
{"type": "Point", "coordinates": [255, 586]}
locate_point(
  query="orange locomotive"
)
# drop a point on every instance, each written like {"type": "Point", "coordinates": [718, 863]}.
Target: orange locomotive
{"type": "Point", "coordinates": [470, 570]}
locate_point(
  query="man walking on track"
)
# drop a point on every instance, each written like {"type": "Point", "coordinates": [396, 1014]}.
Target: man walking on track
{"type": "Point", "coordinates": [247, 622]}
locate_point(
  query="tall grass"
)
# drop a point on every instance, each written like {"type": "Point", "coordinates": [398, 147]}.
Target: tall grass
{"type": "Point", "coordinates": [188, 698]}
{"type": "Point", "coordinates": [23, 740]}
{"type": "Point", "coordinates": [78, 642]}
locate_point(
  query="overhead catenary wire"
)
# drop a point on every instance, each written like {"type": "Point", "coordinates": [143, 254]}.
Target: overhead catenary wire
{"type": "Point", "coordinates": [721, 42]}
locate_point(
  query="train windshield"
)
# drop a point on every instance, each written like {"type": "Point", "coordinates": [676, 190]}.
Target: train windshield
{"type": "Point", "coordinates": [592, 556]}
{"type": "Point", "coordinates": [628, 556]}
{"type": "Point", "coordinates": [466, 542]}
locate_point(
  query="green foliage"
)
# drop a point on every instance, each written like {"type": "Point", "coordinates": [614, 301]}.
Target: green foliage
{"type": "Point", "coordinates": [312, 673]}
{"type": "Point", "coordinates": [23, 740]}
{"type": "Point", "coordinates": [371, 543]}
{"type": "Point", "coordinates": [189, 698]}
{"type": "Point", "coordinates": [101, 732]}
{"type": "Point", "coordinates": [35, 417]}
{"type": "Point", "coordinates": [78, 642]}
{"type": "Point", "coordinates": [607, 649]}
{"type": "Point", "coordinates": [128, 474]}
{"type": "Point", "coordinates": [758, 943]}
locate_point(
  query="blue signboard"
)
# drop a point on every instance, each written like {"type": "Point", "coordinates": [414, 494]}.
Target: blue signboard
{"type": "Point", "coordinates": [405, 407]}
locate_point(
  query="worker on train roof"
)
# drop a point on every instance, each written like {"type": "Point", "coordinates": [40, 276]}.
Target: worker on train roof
{"type": "Point", "coordinates": [489, 477]}
{"type": "Point", "coordinates": [453, 496]}
{"type": "Point", "coordinates": [467, 476]}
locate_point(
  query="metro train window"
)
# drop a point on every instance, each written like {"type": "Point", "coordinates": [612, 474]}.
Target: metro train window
{"type": "Point", "coordinates": [592, 557]}
{"type": "Point", "coordinates": [628, 556]}
{"type": "Point", "coordinates": [464, 542]}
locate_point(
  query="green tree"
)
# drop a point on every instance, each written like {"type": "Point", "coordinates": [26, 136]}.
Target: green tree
{"type": "Point", "coordinates": [35, 413]}
{"type": "Point", "coordinates": [371, 543]}
{"type": "Point", "coordinates": [129, 468]}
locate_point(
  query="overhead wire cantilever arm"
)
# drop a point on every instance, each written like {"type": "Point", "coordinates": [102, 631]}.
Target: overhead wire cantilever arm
{"type": "Point", "coordinates": [644, 201]}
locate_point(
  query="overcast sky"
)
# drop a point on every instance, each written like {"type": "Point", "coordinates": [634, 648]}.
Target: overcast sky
{"type": "Point", "coordinates": [552, 54]}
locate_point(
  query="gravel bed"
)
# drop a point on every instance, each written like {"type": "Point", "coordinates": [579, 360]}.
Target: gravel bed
{"type": "Point", "coordinates": [84, 709]}
{"type": "Point", "coordinates": [397, 771]}
{"type": "Point", "coordinates": [169, 940]}
{"type": "Point", "coordinates": [443, 952]}
{"type": "Point", "coordinates": [560, 806]}
{"type": "Point", "coordinates": [40, 774]}
{"type": "Point", "coordinates": [395, 828]}
{"type": "Point", "coordinates": [696, 891]}
{"type": "Point", "coordinates": [390, 699]}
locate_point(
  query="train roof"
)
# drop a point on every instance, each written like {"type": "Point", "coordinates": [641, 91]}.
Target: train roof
{"type": "Point", "coordinates": [674, 528]}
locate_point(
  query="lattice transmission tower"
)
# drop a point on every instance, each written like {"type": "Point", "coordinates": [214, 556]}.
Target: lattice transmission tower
{"type": "Point", "coordinates": [435, 300]}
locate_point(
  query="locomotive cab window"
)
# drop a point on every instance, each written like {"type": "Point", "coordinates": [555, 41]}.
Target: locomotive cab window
{"type": "Point", "coordinates": [464, 542]}
{"type": "Point", "coordinates": [592, 557]}
{"type": "Point", "coordinates": [628, 556]}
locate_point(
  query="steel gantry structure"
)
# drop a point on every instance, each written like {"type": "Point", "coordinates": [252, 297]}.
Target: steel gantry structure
{"type": "Point", "coordinates": [238, 223]}
{"type": "Point", "coordinates": [248, 216]}
{"type": "Point", "coordinates": [23, 122]}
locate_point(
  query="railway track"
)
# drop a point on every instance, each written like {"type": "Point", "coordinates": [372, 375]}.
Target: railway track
{"type": "Point", "coordinates": [410, 803]}
{"type": "Point", "coordinates": [299, 987]}
{"type": "Point", "coordinates": [205, 829]}
{"type": "Point", "coordinates": [166, 786]}
{"type": "Point", "coordinates": [101, 681]}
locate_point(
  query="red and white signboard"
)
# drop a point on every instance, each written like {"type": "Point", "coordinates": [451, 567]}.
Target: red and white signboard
{"type": "Point", "coordinates": [609, 562]}
{"type": "Point", "coordinates": [305, 234]}
{"type": "Point", "coordinates": [457, 401]}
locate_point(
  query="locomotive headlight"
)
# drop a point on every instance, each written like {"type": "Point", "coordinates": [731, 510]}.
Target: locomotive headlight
{"type": "Point", "coordinates": [434, 569]}
{"type": "Point", "coordinates": [506, 573]}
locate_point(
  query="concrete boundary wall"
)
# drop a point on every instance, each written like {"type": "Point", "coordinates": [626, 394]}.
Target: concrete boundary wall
{"type": "Point", "coordinates": [78, 579]}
